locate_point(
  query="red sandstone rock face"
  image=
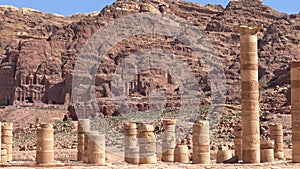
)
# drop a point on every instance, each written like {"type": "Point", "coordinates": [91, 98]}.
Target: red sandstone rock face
{"type": "Point", "coordinates": [38, 50]}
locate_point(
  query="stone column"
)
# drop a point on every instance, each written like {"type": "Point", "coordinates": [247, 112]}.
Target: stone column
{"type": "Point", "coordinates": [0, 142]}
{"type": "Point", "coordinates": [126, 92]}
{"type": "Point", "coordinates": [168, 140]}
{"type": "Point", "coordinates": [87, 136]}
{"type": "Point", "coordinates": [250, 94]}
{"type": "Point", "coordinates": [96, 154]}
{"type": "Point", "coordinates": [201, 143]}
{"type": "Point", "coordinates": [295, 106]}
{"type": "Point", "coordinates": [7, 138]}
{"type": "Point", "coordinates": [82, 127]}
{"type": "Point", "coordinates": [147, 144]}
{"type": "Point", "coordinates": [238, 151]}
{"type": "Point", "coordinates": [276, 134]}
{"type": "Point", "coordinates": [45, 144]}
{"type": "Point", "coordinates": [130, 143]}
{"type": "Point", "coordinates": [3, 153]}
{"type": "Point", "coordinates": [181, 154]}
{"type": "Point", "coordinates": [267, 151]}
{"type": "Point", "coordinates": [132, 85]}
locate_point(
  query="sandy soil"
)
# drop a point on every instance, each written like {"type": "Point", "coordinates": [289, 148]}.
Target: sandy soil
{"type": "Point", "coordinates": [67, 159]}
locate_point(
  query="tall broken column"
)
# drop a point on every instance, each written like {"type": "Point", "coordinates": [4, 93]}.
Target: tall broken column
{"type": "Point", "coordinates": [1, 144]}
{"type": "Point", "coordinates": [168, 140]}
{"type": "Point", "coordinates": [7, 139]}
{"type": "Point", "coordinates": [130, 143]}
{"type": "Point", "coordinates": [45, 144]}
{"type": "Point", "coordinates": [295, 106]}
{"type": "Point", "coordinates": [82, 127]}
{"type": "Point", "coordinates": [250, 94]}
{"type": "Point", "coordinates": [201, 143]}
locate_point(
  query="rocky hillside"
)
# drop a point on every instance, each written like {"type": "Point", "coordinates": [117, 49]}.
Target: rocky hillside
{"type": "Point", "coordinates": [38, 50]}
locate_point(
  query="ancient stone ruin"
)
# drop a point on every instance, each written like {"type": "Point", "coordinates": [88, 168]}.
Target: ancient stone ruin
{"type": "Point", "coordinates": [87, 148]}
{"type": "Point", "coordinates": [7, 140]}
{"type": "Point", "coordinates": [147, 144]}
{"type": "Point", "coordinates": [140, 142]}
{"type": "Point", "coordinates": [30, 89]}
{"type": "Point", "coordinates": [266, 151]}
{"type": "Point", "coordinates": [181, 153]}
{"type": "Point", "coordinates": [96, 149]}
{"type": "Point", "coordinates": [27, 89]}
{"type": "Point", "coordinates": [238, 151]}
{"type": "Point", "coordinates": [168, 140]}
{"type": "Point", "coordinates": [201, 143]}
{"type": "Point", "coordinates": [295, 103]}
{"type": "Point", "coordinates": [276, 134]}
{"type": "Point", "coordinates": [82, 127]}
{"type": "Point", "coordinates": [131, 143]}
{"type": "Point", "coordinates": [45, 144]}
{"type": "Point", "coordinates": [250, 94]}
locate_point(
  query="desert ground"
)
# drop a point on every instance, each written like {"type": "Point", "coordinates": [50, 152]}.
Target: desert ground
{"type": "Point", "coordinates": [65, 141]}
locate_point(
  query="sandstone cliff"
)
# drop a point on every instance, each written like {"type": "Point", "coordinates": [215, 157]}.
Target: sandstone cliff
{"type": "Point", "coordinates": [38, 50]}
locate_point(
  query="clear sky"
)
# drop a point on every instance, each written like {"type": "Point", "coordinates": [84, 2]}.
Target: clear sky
{"type": "Point", "coordinates": [69, 7]}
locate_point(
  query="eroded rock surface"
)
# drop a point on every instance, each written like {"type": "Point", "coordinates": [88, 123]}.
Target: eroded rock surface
{"type": "Point", "coordinates": [38, 51]}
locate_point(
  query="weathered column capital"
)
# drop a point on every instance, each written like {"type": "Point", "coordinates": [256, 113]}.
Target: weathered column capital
{"type": "Point", "coordinates": [245, 29]}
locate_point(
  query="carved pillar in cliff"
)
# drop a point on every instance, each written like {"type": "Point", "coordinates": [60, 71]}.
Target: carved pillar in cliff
{"type": "Point", "coordinates": [250, 94]}
{"type": "Point", "coordinates": [126, 88]}
{"type": "Point", "coordinates": [39, 95]}
{"type": "Point", "coordinates": [37, 80]}
{"type": "Point", "coordinates": [295, 103]}
{"type": "Point", "coordinates": [33, 95]}
{"type": "Point", "coordinates": [31, 77]}
{"type": "Point", "coordinates": [22, 96]}
{"type": "Point", "coordinates": [24, 93]}
{"type": "Point", "coordinates": [23, 80]}
{"type": "Point", "coordinates": [131, 86]}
